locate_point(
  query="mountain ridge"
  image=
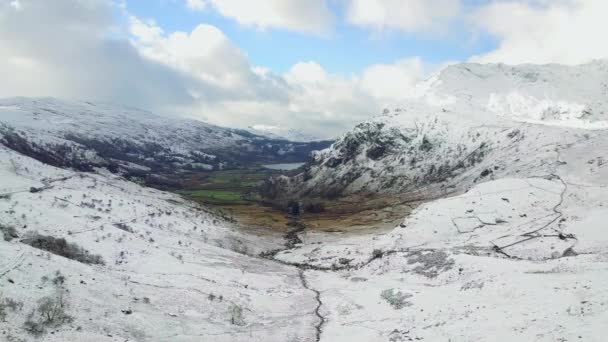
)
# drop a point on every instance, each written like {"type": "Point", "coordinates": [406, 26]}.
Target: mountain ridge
{"type": "Point", "coordinates": [86, 135]}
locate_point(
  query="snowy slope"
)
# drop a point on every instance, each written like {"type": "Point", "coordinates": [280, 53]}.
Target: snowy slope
{"type": "Point", "coordinates": [513, 258]}
{"type": "Point", "coordinates": [174, 274]}
{"type": "Point", "coordinates": [550, 94]}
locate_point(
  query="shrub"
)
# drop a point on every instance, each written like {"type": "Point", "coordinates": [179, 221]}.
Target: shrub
{"type": "Point", "coordinates": [396, 299]}
{"type": "Point", "coordinates": [124, 227]}
{"type": "Point", "coordinates": [33, 327]}
{"type": "Point", "coordinates": [9, 232]}
{"type": "Point", "coordinates": [49, 313]}
{"type": "Point", "coordinates": [51, 310]}
{"type": "Point", "coordinates": [63, 248]}
{"type": "Point", "coordinates": [12, 304]}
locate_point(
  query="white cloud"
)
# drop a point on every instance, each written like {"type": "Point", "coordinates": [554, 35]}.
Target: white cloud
{"type": "Point", "coordinates": [309, 16]}
{"type": "Point", "coordinates": [205, 53]}
{"type": "Point", "coordinates": [558, 31]}
{"type": "Point", "coordinates": [391, 82]}
{"type": "Point", "coordinates": [63, 49]}
{"type": "Point", "coordinates": [60, 49]}
{"type": "Point", "coordinates": [402, 15]}
{"type": "Point", "coordinates": [339, 101]}
{"type": "Point", "coordinates": [306, 97]}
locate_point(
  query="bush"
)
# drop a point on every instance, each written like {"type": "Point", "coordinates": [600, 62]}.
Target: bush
{"type": "Point", "coordinates": [33, 327]}
{"type": "Point", "coordinates": [396, 299]}
{"type": "Point", "coordinates": [123, 226]}
{"type": "Point", "coordinates": [63, 248]}
{"type": "Point", "coordinates": [11, 304]}
{"type": "Point", "coordinates": [9, 232]}
{"type": "Point", "coordinates": [49, 313]}
{"type": "Point", "coordinates": [51, 310]}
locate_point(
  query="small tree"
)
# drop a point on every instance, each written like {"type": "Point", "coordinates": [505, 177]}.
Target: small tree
{"type": "Point", "coordinates": [52, 310]}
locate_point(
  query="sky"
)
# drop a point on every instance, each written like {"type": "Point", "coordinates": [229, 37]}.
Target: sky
{"type": "Point", "coordinates": [319, 66]}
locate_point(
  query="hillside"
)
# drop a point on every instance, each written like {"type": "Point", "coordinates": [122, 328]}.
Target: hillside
{"type": "Point", "coordinates": [469, 123]}
{"type": "Point", "coordinates": [509, 163]}
{"type": "Point", "coordinates": [85, 136]}
{"type": "Point", "coordinates": [172, 270]}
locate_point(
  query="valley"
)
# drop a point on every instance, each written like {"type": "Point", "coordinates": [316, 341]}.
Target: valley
{"type": "Point", "coordinates": [236, 193]}
{"type": "Point", "coordinates": [303, 171]}
{"type": "Point", "coordinates": [465, 214]}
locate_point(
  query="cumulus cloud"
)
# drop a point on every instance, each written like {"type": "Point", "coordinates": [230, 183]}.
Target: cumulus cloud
{"type": "Point", "coordinates": [61, 49]}
{"type": "Point", "coordinates": [408, 16]}
{"type": "Point", "coordinates": [338, 102]}
{"type": "Point", "coordinates": [310, 16]}
{"type": "Point", "coordinates": [305, 97]}
{"type": "Point", "coordinates": [540, 31]}
{"type": "Point", "coordinates": [77, 50]}
{"type": "Point", "coordinates": [207, 55]}
{"type": "Point", "coordinates": [391, 82]}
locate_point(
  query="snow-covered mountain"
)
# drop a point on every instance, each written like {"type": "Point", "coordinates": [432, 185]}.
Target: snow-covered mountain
{"type": "Point", "coordinates": [571, 96]}
{"type": "Point", "coordinates": [511, 165]}
{"type": "Point", "coordinates": [85, 135]}
{"type": "Point", "coordinates": [505, 239]}
{"type": "Point", "coordinates": [469, 123]}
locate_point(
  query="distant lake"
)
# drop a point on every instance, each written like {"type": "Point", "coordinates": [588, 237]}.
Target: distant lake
{"type": "Point", "coordinates": [283, 167]}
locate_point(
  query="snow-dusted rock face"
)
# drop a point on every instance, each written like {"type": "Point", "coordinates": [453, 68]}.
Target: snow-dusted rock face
{"type": "Point", "coordinates": [87, 135]}
{"type": "Point", "coordinates": [467, 124]}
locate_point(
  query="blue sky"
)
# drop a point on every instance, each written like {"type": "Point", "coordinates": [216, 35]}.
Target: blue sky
{"type": "Point", "coordinates": [347, 49]}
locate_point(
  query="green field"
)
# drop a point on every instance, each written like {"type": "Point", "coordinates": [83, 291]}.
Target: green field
{"type": "Point", "coordinates": [215, 196]}
{"type": "Point", "coordinates": [238, 178]}
{"type": "Point", "coordinates": [225, 187]}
